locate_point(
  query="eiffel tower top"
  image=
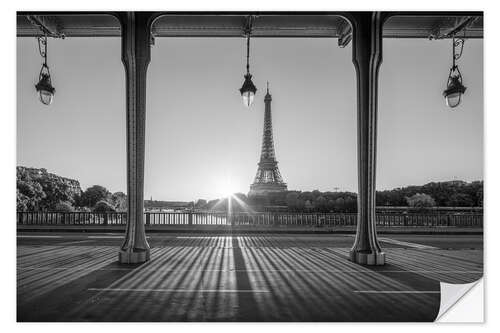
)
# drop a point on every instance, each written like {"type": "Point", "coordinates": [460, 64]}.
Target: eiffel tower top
{"type": "Point", "coordinates": [268, 95]}
{"type": "Point", "coordinates": [268, 177]}
{"type": "Point", "coordinates": [267, 152]}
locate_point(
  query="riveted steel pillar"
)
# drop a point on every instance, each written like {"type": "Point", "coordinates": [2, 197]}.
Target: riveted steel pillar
{"type": "Point", "coordinates": [135, 58]}
{"type": "Point", "coordinates": [367, 57]}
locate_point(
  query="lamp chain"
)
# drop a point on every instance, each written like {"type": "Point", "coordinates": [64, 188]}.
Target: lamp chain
{"type": "Point", "coordinates": [42, 48]}
{"type": "Point", "coordinates": [458, 48]}
{"type": "Point", "coordinates": [248, 32]}
{"type": "Point", "coordinates": [248, 53]}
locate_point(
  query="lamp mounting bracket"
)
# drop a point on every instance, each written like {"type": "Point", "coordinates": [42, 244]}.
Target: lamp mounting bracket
{"type": "Point", "coordinates": [459, 26]}
{"type": "Point", "coordinates": [45, 27]}
{"type": "Point", "coordinates": [247, 30]}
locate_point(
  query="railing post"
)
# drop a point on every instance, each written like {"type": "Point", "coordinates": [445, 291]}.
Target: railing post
{"type": "Point", "coordinates": [367, 57]}
{"type": "Point", "coordinates": [190, 218]}
{"type": "Point", "coordinates": [136, 38]}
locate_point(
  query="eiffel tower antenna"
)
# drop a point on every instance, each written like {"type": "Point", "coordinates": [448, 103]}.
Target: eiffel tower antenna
{"type": "Point", "coordinates": [268, 177]}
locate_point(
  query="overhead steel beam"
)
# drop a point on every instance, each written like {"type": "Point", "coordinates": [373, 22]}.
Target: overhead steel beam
{"type": "Point", "coordinates": [268, 25]}
{"type": "Point", "coordinates": [460, 26]}
{"type": "Point", "coordinates": [48, 25]}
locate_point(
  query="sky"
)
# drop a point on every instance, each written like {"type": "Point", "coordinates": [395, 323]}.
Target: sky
{"type": "Point", "coordinates": [202, 142]}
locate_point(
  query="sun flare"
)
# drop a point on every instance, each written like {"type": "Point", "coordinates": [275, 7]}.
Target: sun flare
{"type": "Point", "coordinates": [225, 188]}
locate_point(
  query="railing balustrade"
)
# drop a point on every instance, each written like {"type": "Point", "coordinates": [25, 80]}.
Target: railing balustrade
{"type": "Point", "coordinates": [250, 219]}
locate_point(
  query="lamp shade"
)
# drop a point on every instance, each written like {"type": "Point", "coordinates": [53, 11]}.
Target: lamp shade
{"type": "Point", "coordinates": [454, 91]}
{"type": "Point", "coordinates": [45, 89]}
{"type": "Point", "coordinates": [248, 90]}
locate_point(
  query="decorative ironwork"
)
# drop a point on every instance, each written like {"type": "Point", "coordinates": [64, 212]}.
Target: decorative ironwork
{"type": "Point", "coordinates": [82, 220]}
{"type": "Point", "coordinates": [344, 33]}
{"type": "Point", "coordinates": [459, 25]}
{"type": "Point", "coordinates": [248, 89]}
{"type": "Point", "coordinates": [44, 86]}
{"type": "Point", "coordinates": [454, 87]}
{"type": "Point", "coordinates": [268, 177]}
{"type": "Point", "coordinates": [41, 23]}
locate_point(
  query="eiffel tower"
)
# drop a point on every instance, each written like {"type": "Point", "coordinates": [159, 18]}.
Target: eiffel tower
{"type": "Point", "coordinates": [268, 177]}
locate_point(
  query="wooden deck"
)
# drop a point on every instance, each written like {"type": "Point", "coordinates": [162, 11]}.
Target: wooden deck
{"type": "Point", "coordinates": [237, 278]}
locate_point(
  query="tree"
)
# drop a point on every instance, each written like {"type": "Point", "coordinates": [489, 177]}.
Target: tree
{"type": "Point", "coordinates": [40, 190]}
{"type": "Point", "coordinates": [103, 207]}
{"type": "Point", "coordinates": [321, 204]}
{"type": "Point", "coordinates": [460, 200]}
{"type": "Point", "coordinates": [93, 195]}
{"type": "Point", "coordinates": [479, 197]}
{"type": "Point", "coordinates": [350, 204]}
{"type": "Point", "coordinates": [211, 205]}
{"type": "Point", "coordinates": [307, 196]}
{"type": "Point", "coordinates": [340, 204]}
{"type": "Point", "coordinates": [29, 192]}
{"type": "Point", "coordinates": [64, 207]}
{"type": "Point", "coordinates": [31, 189]}
{"type": "Point", "coordinates": [200, 204]}
{"type": "Point", "coordinates": [56, 190]}
{"type": "Point", "coordinates": [301, 205]}
{"type": "Point", "coordinates": [421, 200]}
{"type": "Point", "coordinates": [331, 205]}
{"type": "Point", "coordinates": [119, 201]}
{"type": "Point", "coordinates": [21, 202]}
{"type": "Point", "coordinates": [292, 200]}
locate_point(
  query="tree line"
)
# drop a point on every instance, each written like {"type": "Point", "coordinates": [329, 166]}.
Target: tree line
{"type": "Point", "coordinates": [435, 194]}
{"type": "Point", "coordinates": [38, 190]}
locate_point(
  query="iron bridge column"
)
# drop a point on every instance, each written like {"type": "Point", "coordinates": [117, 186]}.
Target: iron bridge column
{"type": "Point", "coordinates": [367, 57]}
{"type": "Point", "coordinates": [135, 58]}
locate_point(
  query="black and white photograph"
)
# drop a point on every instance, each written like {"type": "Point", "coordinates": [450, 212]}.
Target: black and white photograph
{"type": "Point", "coordinates": [247, 166]}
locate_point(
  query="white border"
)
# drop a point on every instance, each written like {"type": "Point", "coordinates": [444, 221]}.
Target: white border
{"type": "Point", "coordinates": [466, 304]}
{"type": "Point", "coordinates": [8, 160]}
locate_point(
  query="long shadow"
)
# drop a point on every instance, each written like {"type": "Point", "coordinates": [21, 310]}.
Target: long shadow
{"type": "Point", "coordinates": [414, 281]}
{"type": "Point", "coordinates": [248, 309]}
{"type": "Point", "coordinates": [56, 304]}
{"type": "Point", "coordinates": [436, 265]}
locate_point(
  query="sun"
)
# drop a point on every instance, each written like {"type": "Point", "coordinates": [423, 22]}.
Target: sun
{"type": "Point", "coordinates": [225, 188]}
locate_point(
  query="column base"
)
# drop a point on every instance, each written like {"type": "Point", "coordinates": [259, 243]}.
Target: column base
{"type": "Point", "coordinates": [133, 257]}
{"type": "Point", "coordinates": [369, 259]}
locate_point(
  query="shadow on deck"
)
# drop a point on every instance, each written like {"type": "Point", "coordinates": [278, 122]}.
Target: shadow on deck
{"type": "Point", "coordinates": [243, 278]}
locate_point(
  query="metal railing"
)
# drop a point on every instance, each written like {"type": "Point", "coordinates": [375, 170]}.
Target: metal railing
{"type": "Point", "coordinates": [70, 218]}
{"type": "Point", "coordinates": [251, 219]}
